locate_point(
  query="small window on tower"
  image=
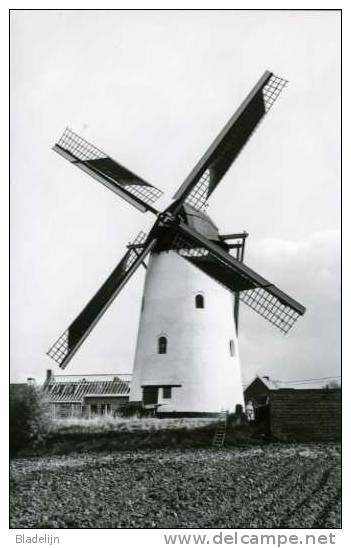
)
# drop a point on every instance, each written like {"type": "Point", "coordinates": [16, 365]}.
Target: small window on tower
{"type": "Point", "coordinates": [162, 345]}
{"type": "Point", "coordinates": [167, 392]}
{"type": "Point", "coordinates": [199, 301]}
{"type": "Point", "coordinates": [231, 347]}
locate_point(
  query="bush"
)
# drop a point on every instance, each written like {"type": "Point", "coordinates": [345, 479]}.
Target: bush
{"type": "Point", "coordinates": [28, 417]}
{"type": "Point", "coordinates": [118, 425]}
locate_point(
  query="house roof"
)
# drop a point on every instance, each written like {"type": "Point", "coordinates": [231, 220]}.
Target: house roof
{"type": "Point", "coordinates": [292, 385]}
{"type": "Point", "coordinates": [74, 388]}
{"type": "Point", "coordinates": [269, 383]}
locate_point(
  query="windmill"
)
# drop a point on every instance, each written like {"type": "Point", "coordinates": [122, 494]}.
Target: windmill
{"type": "Point", "coordinates": [187, 357]}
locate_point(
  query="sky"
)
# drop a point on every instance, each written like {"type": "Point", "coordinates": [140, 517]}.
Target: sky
{"type": "Point", "coordinates": [153, 89]}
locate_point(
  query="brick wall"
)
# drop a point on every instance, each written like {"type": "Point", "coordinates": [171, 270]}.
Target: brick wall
{"type": "Point", "coordinates": [305, 415]}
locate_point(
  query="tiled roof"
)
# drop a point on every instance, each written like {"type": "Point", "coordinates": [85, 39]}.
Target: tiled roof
{"type": "Point", "coordinates": [74, 388]}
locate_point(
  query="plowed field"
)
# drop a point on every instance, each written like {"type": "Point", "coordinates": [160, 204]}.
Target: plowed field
{"type": "Point", "coordinates": [284, 486]}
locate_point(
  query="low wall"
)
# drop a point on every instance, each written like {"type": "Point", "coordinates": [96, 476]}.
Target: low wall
{"type": "Point", "coordinates": [306, 414]}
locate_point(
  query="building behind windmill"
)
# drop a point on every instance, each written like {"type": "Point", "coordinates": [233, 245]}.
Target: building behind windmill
{"type": "Point", "coordinates": [273, 408]}
{"type": "Point", "coordinates": [85, 396]}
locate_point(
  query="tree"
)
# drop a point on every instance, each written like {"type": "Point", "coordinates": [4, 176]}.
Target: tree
{"type": "Point", "coordinates": [28, 417]}
{"type": "Point", "coordinates": [332, 384]}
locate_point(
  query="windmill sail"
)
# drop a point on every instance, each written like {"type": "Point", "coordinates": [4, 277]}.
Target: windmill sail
{"type": "Point", "coordinates": [107, 171]}
{"type": "Point", "coordinates": [213, 165]}
{"type": "Point", "coordinates": [255, 291]}
{"type": "Point", "coordinates": [69, 342]}
{"type": "Point", "coordinates": [174, 228]}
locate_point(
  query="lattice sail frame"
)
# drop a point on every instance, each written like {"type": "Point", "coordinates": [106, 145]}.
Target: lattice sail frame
{"type": "Point", "coordinates": [272, 90]}
{"type": "Point", "coordinates": [83, 151]}
{"type": "Point", "coordinates": [62, 347]}
{"type": "Point", "coordinates": [258, 298]}
{"type": "Point", "coordinates": [270, 308]}
{"type": "Point", "coordinates": [198, 196]}
{"type": "Point", "coordinates": [79, 148]}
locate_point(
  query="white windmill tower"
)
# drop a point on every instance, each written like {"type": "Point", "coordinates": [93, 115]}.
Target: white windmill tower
{"type": "Point", "coordinates": [187, 356]}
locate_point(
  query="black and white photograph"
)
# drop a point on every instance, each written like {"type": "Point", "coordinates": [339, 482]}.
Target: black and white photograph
{"type": "Point", "coordinates": [175, 302]}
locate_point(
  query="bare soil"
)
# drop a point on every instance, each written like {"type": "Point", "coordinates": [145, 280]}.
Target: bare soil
{"type": "Point", "coordinates": [273, 486]}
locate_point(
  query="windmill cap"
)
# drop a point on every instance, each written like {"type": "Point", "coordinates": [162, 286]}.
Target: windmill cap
{"type": "Point", "coordinates": [201, 222]}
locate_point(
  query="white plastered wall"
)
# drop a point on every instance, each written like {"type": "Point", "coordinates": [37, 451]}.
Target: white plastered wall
{"type": "Point", "coordinates": [198, 352]}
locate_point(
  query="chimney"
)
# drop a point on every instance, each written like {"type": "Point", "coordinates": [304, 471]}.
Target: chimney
{"type": "Point", "coordinates": [31, 381]}
{"type": "Point", "coordinates": [49, 376]}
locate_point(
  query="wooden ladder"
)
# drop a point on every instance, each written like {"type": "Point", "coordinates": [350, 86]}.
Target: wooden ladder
{"type": "Point", "coordinates": [219, 436]}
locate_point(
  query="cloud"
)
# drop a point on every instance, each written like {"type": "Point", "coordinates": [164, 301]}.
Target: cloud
{"type": "Point", "coordinates": [309, 271]}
